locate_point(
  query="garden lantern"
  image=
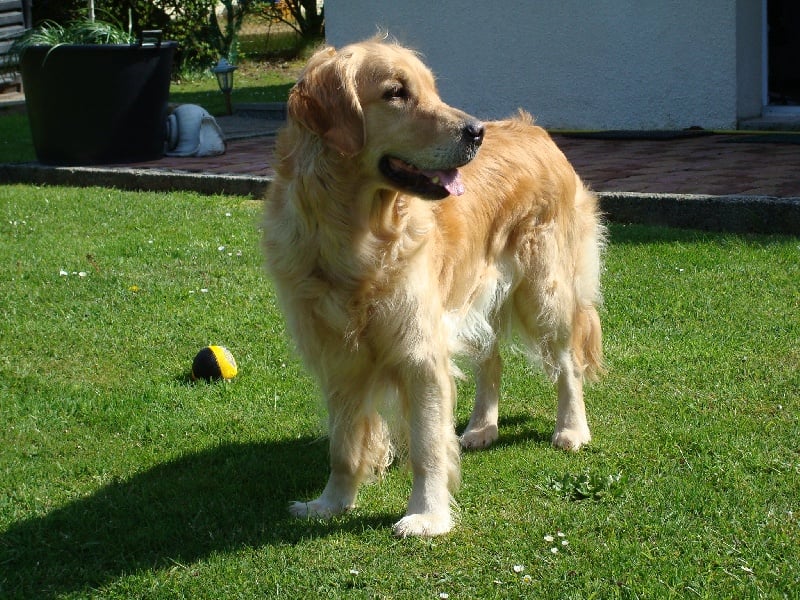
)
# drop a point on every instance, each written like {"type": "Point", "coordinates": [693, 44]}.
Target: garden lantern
{"type": "Point", "coordinates": [224, 72]}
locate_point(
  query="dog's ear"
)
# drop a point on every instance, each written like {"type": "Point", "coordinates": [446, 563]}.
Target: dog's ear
{"type": "Point", "coordinates": [325, 101]}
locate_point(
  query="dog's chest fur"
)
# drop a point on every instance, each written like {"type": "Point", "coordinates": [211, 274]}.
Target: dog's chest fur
{"type": "Point", "coordinates": [340, 276]}
{"type": "Point", "coordinates": [375, 292]}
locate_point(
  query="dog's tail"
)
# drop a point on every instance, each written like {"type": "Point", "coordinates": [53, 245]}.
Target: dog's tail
{"type": "Point", "coordinates": [587, 342]}
{"type": "Point", "coordinates": [587, 334]}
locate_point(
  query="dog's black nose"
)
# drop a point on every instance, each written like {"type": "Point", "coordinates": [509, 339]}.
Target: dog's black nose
{"type": "Point", "coordinates": [473, 131]}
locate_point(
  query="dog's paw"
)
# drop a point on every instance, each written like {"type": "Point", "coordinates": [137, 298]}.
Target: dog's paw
{"type": "Point", "coordinates": [423, 525]}
{"type": "Point", "coordinates": [475, 439]}
{"type": "Point", "coordinates": [317, 509]}
{"type": "Point", "coordinates": [571, 439]}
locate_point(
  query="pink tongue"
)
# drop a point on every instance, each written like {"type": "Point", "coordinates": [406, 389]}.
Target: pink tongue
{"type": "Point", "coordinates": [449, 180]}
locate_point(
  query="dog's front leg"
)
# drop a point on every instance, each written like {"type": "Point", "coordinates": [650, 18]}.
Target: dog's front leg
{"type": "Point", "coordinates": [359, 446]}
{"type": "Point", "coordinates": [434, 452]}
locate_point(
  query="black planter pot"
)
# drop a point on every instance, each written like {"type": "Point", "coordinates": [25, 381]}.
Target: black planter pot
{"type": "Point", "coordinates": [93, 104]}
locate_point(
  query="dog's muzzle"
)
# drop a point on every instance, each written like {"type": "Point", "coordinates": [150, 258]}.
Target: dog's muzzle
{"type": "Point", "coordinates": [436, 182]}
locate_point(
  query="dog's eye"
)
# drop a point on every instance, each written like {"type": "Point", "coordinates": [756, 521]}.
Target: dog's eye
{"type": "Point", "coordinates": [396, 92]}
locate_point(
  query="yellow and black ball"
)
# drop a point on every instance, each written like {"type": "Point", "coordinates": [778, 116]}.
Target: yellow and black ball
{"type": "Point", "coordinates": [213, 363]}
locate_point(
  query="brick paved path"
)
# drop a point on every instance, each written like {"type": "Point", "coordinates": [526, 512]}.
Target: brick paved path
{"type": "Point", "coordinates": [709, 164]}
{"type": "Point", "coordinates": [714, 164]}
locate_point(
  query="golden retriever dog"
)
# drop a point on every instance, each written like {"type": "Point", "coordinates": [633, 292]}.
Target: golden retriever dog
{"type": "Point", "coordinates": [400, 233]}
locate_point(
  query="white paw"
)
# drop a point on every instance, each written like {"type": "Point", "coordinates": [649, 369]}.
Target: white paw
{"type": "Point", "coordinates": [423, 525]}
{"type": "Point", "coordinates": [483, 437]}
{"type": "Point", "coordinates": [319, 509]}
{"type": "Point", "coordinates": [571, 439]}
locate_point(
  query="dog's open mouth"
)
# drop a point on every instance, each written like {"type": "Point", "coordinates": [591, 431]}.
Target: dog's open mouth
{"type": "Point", "coordinates": [430, 184]}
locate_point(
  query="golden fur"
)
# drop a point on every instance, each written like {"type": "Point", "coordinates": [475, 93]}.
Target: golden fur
{"type": "Point", "coordinates": [384, 275]}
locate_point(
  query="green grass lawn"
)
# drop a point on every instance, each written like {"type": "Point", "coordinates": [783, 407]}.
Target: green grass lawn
{"type": "Point", "coordinates": [120, 479]}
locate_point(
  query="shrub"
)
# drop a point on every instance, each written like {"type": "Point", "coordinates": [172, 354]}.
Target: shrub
{"type": "Point", "coordinates": [202, 37]}
{"type": "Point", "coordinates": [187, 22]}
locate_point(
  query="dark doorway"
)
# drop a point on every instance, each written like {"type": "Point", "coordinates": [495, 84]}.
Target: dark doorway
{"type": "Point", "coordinates": [783, 46]}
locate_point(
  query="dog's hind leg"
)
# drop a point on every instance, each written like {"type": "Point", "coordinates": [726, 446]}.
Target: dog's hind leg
{"type": "Point", "coordinates": [572, 429]}
{"type": "Point", "coordinates": [481, 431]}
{"type": "Point", "coordinates": [566, 339]}
{"type": "Point", "coordinates": [577, 358]}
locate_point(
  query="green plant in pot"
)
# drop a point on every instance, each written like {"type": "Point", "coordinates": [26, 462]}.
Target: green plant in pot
{"type": "Point", "coordinates": [93, 93]}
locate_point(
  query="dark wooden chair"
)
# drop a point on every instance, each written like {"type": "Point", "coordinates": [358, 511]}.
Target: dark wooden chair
{"type": "Point", "coordinates": [15, 17]}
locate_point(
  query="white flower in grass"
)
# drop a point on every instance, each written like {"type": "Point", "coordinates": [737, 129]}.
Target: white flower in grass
{"type": "Point", "coordinates": [63, 273]}
{"type": "Point", "coordinates": [354, 572]}
{"type": "Point", "coordinates": [552, 538]}
{"type": "Point", "coordinates": [527, 579]}
{"type": "Point", "coordinates": [518, 568]}
{"type": "Point", "coordinates": [444, 595]}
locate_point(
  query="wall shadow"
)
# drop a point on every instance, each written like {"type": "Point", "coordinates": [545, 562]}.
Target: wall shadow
{"type": "Point", "coordinates": [224, 498]}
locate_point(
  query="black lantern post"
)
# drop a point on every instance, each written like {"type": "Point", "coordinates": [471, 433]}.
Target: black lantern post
{"type": "Point", "coordinates": [224, 72]}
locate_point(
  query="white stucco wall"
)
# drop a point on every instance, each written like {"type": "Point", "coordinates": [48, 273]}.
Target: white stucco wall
{"type": "Point", "coordinates": [576, 64]}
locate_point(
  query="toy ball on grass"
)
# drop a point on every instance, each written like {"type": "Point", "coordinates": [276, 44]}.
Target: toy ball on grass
{"type": "Point", "coordinates": [212, 363]}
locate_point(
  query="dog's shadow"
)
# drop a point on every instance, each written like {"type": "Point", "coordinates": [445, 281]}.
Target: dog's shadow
{"type": "Point", "coordinates": [177, 512]}
{"type": "Point", "coordinates": [217, 500]}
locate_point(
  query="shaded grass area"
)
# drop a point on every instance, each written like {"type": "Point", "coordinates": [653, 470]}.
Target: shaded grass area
{"type": "Point", "coordinates": [253, 82]}
{"type": "Point", "coordinates": [259, 40]}
{"type": "Point", "coordinates": [16, 143]}
{"type": "Point", "coordinates": [119, 479]}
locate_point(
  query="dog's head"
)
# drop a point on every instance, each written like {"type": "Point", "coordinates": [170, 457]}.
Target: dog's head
{"type": "Point", "coordinates": [377, 103]}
